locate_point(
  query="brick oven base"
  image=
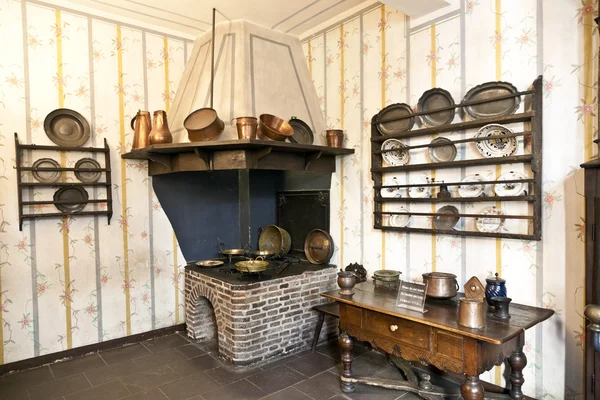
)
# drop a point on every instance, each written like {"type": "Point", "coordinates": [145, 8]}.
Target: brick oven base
{"type": "Point", "coordinates": [256, 322]}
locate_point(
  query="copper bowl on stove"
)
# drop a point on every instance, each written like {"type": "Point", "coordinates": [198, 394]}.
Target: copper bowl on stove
{"type": "Point", "coordinates": [271, 127]}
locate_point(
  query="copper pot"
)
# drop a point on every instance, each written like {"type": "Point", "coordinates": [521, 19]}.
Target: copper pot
{"type": "Point", "coordinates": [335, 137]}
{"type": "Point", "coordinates": [271, 127]}
{"type": "Point", "coordinates": [203, 125]}
{"type": "Point", "coordinates": [275, 239]}
{"type": "Point", "coordinates": [160, 132]}
{"type": "Point", "coordinates": [471, 313]}
{"type": "Point", "coordinates": [441, 285]}
{"type": "Point", "coordinates": [246, 127]}
{"type": "Point", "coordinates": [346, 281]}
{"type": "Point", "coordinates": [142, 127]}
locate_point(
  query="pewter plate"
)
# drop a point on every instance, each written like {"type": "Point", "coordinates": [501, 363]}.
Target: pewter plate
{"type": "Point", "coordinates": [493, 109]}
{"type": "Point", "coordinates": [442, 153]}
{"type": "Point", "coordinates": [395, 111]}
{"type": "Point", "coordinates": [87, 176]}
{"type": "Point", "coordinates": [46, 176]}
{"type": "Point", "coordinates": [302, 132]}
{"type": "Point", "coordinates": [446, 222]}
{"type": "Point", "coordinates": [67, 127]}
{"type": "Point", "coordinates": [431, 100]}
{"type": "Point", "coordinates": [76, 194]}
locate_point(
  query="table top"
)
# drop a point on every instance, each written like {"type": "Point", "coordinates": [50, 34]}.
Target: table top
{"type": "Point", "coordinates": [443, 314]}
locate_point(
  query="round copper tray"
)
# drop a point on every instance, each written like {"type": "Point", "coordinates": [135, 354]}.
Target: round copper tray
{"type": "Point", "coordinates": [67, 127]}
{"type": "Point", "coordinates": [318, 246]}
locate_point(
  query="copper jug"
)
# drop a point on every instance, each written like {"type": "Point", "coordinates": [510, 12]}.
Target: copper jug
{"type": "Point", "coordinates": [160, 129]}
{"type": "Point", "coordinates": [141, 127]}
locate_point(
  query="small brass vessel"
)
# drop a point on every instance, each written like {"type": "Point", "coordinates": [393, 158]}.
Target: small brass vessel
{"type": "Point", "coordinates": [160, 132]}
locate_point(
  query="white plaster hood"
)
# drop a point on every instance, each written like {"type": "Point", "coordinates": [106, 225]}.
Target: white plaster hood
{"type": "Point", "coordinates": [257, 71]}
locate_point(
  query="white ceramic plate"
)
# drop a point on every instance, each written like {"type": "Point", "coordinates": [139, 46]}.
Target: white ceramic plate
{"type": "Point", "coordinates": [419, 192]}
{"type": "Point", "coordinates": [497, 147]}
{"type": "Point", "coordinates": [399, 220]}
{"type": "Point", "coordinates": [511, 189]}
{"type": "Point", "coordinates": [491, 223]}
{"type": "Point", "coordinates": [391, 193]}
{"type": "Point", "coordinates": [470, 188]}
{"type": "Point", "coordinates": [395, 158]}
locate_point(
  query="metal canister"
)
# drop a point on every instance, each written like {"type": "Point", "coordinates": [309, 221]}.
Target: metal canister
{"type": "Point", "coordinates": [471, 313]}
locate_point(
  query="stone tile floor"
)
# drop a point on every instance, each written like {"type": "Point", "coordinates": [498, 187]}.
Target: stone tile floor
{"type": "Point", "coordinates": [171, 367]}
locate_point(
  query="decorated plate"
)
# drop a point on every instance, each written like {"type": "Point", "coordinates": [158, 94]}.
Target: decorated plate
{"type": "Point", "coordinates": [492, 223]}
{"type": "Point", "coordinates": [394, 158]}
{"type": "Point", "coordinates": [511, 189]}
{"type": "Point", "coordinates": [442, 153]}
{"type": "Point", "coordinates": [398, 126]}
{"type": "Point", "coordinates": [419, 192]}
{"type": "Point", "coordinates": [400, 220]}
{"type": "Point", "coordinates": [390, 193]}
{"type": "Point", "coordinates": [46, 176]}
{"type": "Point", "coordinates": [499, 147]}
{"type": "Point", "coordinates": [446, 222]}
{"type": "Point", "coordinates": [470, 187]}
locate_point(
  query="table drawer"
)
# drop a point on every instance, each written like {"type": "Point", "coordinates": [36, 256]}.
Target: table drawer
{"type": "Point", "coordinates": [399, 329]}
{"type": "Point", "coordinates": [448, 344]}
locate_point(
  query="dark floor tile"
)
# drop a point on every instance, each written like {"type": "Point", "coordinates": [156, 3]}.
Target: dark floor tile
{"type": "Point", "coordinates": [322, 386]}
{"type": "Point", "coordinates": [368, 364]}
{"type": "Point", "coordinates": [190, 350]}
{"type": "Point", "coordinates": [278, 362]}
{"type": "Point", "coordinates": [123, 354]}
{"type": "Point", "coordinates": [165, 342]}
{"type": "Point", "coordinates": [409, 396]}
{"type": "Point", "coordinates": [288, 394]}
{"type": "Point", "coordinates": [390, 372]}
{"type": "Point", "coordinates": [226, 375]}
{"type": "Point", "coordinates": [109, 391]}
{"type": "Point", "coordinates": [152, 394]}
{"type": "Point", "coordinates": [366, 392]}
{"type": "Point", "coordinates": [312, 364]}
{"type": "Point", "coordinates": [276, 379]}
{"type": "Point", "coordinates": [38, 375]}
{"type": "Point", "coordinates": [13, 391]}
{"type": "Point", "coordinates": [332, 349]}
{"type": "Point", "coordinates": [77, 365]}
{"type": "Point", "coordinates": [240, 390]}
{"type": "Point", "coordinates": [58, 388]}
{"type": "Point", "coordinates": [210, 346]}
{"type": "Point", "coordinates": [162, 358]}
{"type": "Point", "coordinates": [339, 397]}
{"type": "Point", "coordinates": [188, 387]}
{"type": "Point", "coordinates": [192, 366]}
{"type": "Point", "coordinates": [102, 375]}
{"type": "Point", "coordinates": [148, 379]}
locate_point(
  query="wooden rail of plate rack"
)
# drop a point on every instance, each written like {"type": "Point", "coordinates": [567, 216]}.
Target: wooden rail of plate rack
{"type": "Point", "coordinates": [30, 185]}
{"type": "Point", "coordinates": [532, 119]}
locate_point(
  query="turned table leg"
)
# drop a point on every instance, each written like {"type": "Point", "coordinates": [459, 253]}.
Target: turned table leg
{"type": "Point", "coordinates": [471, 389]}
{"type": "Point", "coordinates": [346, 345]}
{"type": "Point", "coordinates": [517, 362]}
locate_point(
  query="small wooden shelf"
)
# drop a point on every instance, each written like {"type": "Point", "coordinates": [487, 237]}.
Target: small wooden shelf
{"type": "Point", "coordinates": [490, 199]}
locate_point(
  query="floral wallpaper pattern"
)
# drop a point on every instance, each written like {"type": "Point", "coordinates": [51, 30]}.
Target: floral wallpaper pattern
{"type": "Point", "coordinates": [379, 57]}
{"type": "Point", "coordinates": [76, 281]}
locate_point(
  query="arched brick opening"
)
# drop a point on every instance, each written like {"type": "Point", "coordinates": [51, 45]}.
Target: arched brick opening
{"type": "Point", "coordinates": [203, 315]}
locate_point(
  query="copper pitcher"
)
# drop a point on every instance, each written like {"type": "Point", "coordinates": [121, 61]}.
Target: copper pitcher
{"type": "Point", "coordinates": [141, 127]}
{"type": "Point", "coordinates": [160, 132]}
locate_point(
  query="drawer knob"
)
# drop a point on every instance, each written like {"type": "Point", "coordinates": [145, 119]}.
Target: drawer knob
{"type": "Point", "coordinates": [393, 328]}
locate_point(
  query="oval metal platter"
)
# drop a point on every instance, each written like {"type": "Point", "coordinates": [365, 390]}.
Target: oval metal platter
{"type": "Point", "coordinates": [493, 109]}
{"type": "Point", "coordinates": [75, 194]}
{"type": "Point", "coordinates": [398, 126]}
{"type": "Point", "coordinates": [302, 132]}
{"type": "Point", "coordinates": [431, 100]}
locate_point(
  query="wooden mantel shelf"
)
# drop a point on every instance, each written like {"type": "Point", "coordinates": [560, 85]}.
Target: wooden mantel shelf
{"type": "Point", "coordinates": [237, 154]}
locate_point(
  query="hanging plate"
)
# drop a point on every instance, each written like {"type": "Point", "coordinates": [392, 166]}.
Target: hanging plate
{"type": "Point", "coordinates": [470, 188]}
{"type": "Point", "coordinates": [67, 127]}
{"type": "Point", "coordinates": [419, 192]}
{"type": "Point", "coordinates": [493, 109]}
{"type": "Point", "coordinates": [446, 222]}
{"type": "Point", "coordinates": [46, 176]}
{"type": "Point", "coordinates": [400, 220]}
{"type": "Point", "coordinates": [431, 100]}
{"type": "Point", "coordinates": [87, 177]}
{"type": "Point", "coordinates": [395, 158]}
{"type": "Point", "coordinates": [390, 193]}
{"type": "Point", "coordinates": [318, 246]}
{"type": "Point", "coordinates": [75, 194]}
{"type": "Point", "coordinates": [491, 223]}
{"type": "Point", "coordinates": [302, 132]}
{"type": "Point", "coordinates": [511, 189]}
{"type": "Point", "coordinates": [496, 147]}
{"type": "Point", "coordinates": [398, 126]}
{"type": "Point", "coordinates": [442, 153]}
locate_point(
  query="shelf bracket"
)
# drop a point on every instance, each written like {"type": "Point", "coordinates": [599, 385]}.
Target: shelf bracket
{"type": "Point", "coordinates": [161, 159]}
{"type": "Point", "coordinates": [261, 153]}
{"type": "Point", "coordinates": [310, 157]}
{"type": "Point", "coordinates": [204, 156]}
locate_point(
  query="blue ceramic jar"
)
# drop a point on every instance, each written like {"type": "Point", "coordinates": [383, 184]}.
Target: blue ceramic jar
{"type": "Point", "coordinates": [495, 287]}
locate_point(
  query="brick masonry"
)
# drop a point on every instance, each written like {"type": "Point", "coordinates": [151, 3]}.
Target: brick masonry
{"type": "Point", "coordinates": [256, 322]}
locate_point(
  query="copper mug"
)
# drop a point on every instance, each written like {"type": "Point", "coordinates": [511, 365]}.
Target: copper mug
{"type": "Point", "coordinates": [246, 127]}
{"type": "Point", "coordinates": [160, 132]}
{"type": "Point", "coordinates": [335, 137]}
{"type": "Point", "coordinates": [141, 127]}
{"type": "Point", "coordinates": [471, 313]}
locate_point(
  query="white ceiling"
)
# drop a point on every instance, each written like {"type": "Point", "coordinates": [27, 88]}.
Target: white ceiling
{"type": "Point", "coordinates": [194, 16]}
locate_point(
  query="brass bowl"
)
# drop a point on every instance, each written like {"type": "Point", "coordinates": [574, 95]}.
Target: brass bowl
{"type": "Point", "coordinates": [271, 127]}
{"type": "Point", "coordinates": [263, 253]}
{"type": "Point", "coordinates": [233, 252]}
{"type": "Point", "coordinates": [274, 238]}
{"type": "Point", "coordinates": [252, 266]}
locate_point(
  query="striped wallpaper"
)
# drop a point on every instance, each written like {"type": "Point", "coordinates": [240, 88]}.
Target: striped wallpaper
{"type": "Point", "coordinates": [76, 281]}
{"type": "Point", "coordinates": [379, 57]}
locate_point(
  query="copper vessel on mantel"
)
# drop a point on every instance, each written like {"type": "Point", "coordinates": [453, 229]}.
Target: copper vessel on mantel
{"type": "Point", "coordinates": [160, 132]}
{"type": "Point", "coordinates": [141, 126]}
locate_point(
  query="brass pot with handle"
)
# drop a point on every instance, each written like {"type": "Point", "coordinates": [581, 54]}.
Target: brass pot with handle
{"type": "Point", "coordinates": [441, 285]}
{"type": "Point", "coordinates": [252, 266]}
{"type": "Point", "coordinates": [275, 239]}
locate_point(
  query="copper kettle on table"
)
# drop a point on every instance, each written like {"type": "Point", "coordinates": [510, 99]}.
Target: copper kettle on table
{"type": "Point", "coordinates": [160, 132]}
{"type": "Point", "coordinates": [141, 127]}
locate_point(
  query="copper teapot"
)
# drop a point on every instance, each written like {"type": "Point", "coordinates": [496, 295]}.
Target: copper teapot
{"type": "Point", "coordinates": [141, 127]}
{"type": "Point", "coordinates": [160, 132]}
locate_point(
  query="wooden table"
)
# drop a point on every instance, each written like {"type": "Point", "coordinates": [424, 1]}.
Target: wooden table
{"type": "Point", "coordinates": [435, 338]}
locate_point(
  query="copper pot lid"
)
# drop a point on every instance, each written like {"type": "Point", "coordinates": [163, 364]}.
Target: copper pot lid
{"type": "Point", "coordinates": [318, 246]}
{"type": "Point", "coordinates": [67, 127]}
